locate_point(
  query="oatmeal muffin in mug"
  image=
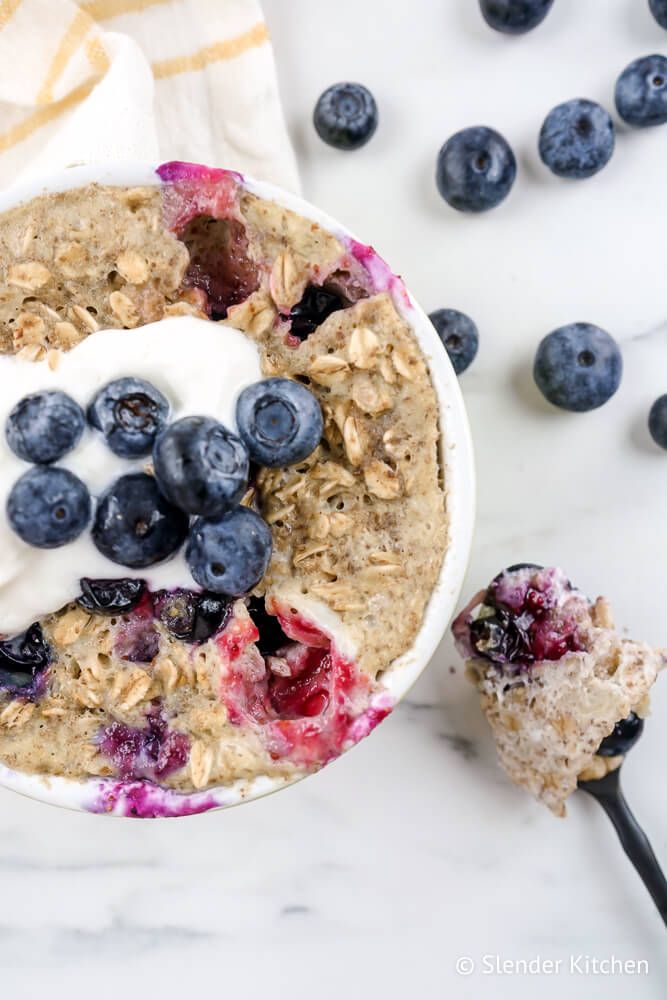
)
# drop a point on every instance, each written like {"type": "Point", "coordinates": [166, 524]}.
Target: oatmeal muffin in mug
{"type": "Point", "coordinates": [223, 504]}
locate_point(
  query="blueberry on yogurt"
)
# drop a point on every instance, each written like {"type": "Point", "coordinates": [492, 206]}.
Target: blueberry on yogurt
{"type": "Point", "coordinates": [280, 422]}
{"type": "Point", "coordinates": [48, 507]}
{"type": "Point", "coordinates": [514, 17]}
{"type": "Point", "coordinates": [577, 139]}
{"type": "Point", "coordinates": [475, 170]}
{"type": "Point", "coordinates": [230, 554]}
{"type": "Point", "coordinates": [44, 426]}
{"type": "Point", "coordinates": [641, 92]}
{"type": "Point", "coordinates": [129, 412]}
{"type": "Point", "coordinates": [578, 367]}
{"type": "Point", "coordinates": [135, 525]}
{"type": "Point", "coordinates": [346, 116]}
{"type": "Point", "coordinates": [201, 466]}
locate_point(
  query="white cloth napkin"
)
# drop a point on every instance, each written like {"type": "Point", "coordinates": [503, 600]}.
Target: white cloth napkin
{"type": "Point", "coordinates": [139, 80]}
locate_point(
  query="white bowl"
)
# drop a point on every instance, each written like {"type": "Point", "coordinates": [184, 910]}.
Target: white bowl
{"type": "Point", "coordinates": [138, 798]}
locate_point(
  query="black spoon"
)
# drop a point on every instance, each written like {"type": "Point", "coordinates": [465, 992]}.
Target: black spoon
{"type": "Point", "coordinates": [609, 794]}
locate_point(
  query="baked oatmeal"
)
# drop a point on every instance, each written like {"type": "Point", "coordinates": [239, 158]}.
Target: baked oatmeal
{"type": "Point", "coordinates": [135, 326]}
{"type": "Point", "coordinates": [555, 679]}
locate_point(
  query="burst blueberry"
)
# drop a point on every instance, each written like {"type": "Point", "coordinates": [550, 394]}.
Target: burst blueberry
{"type": "Point", "coordinates": [657, 421]}
{"type": "Point", "coordinates": [346, 116]}
{"type": "Point", "coordinates": [230, 554]}
{"type": "Point", "coordinates": [514, 17]}
{"type": "Point", "coordinates": [315, 306]}
{"type": "Point", "coordinates": [578, 367]}
{"type": "Point", "coordinates": [135, 525]}
{"type": "Point", "coordinates": [459, 336]}
{"type": "Point", "coordinates": [48, 507]}
{"type": "Point", "coordinates": [189, 616]}
{"type": "Point", "coordinates": [577, 139]}
{"type": "Point", "coordinates": [201, 466]}
{"type": "Point", "coordinates": [44, 426]}
{"type": "Point", "coordinates": [280, 422]}
{"type": "Point", "coordinates": [659, 11]}
{"type": "Point", "coordinates": [641, 92]}
{"type": "Point", "coordinates": [110, 597]}
{"type": "Point", "coordinates": [476, 169]}
{"type": "Point", "coordinates": [23, 660]}
{"type": "Point", "coordinates": [129, 412]}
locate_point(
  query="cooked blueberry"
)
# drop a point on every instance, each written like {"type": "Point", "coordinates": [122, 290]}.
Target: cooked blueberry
{"type": "Point", "coordinates": [316, 304]}
{"type": "Point", "coordinates": [519, 566]}
{"type": "Point", "coordinates": [577, 139]}
{"type": "Point", "coordinates": [501, 638]}
{"type": "Point", "coordinates": [578, 367]}
{"type": "Point", "coordinates": [23, 658]}
{"type": "Point", "coordinates": [135, 525]}
{"type": "Point", "coordinates": [657, 421]}
{"type": "Point", "coordinates": [459, 336]}
{"type": "Point", "coordinates": [514, 17]}
{"type": "Point", "coordinates": [659, 11]}
{"type": "Point", "coordinates": [189, 616]}
{"type": "Point", "coordinates": [110, 597]}
{"type": "Point", "coordinates": [44, 426]}
{"type": "Point", "coordinates": [271, 635]}
{"type": "Point", "coordinates": [48, 507]}
{"type": "Point", "coordinates": [280, 422]}
{"type": "Point", "coordinates": [623, 737]}
{"type": "Point", "coordinates": [346, 115]}
{"type": "Point", "coordinates": [201, 466]}
{"type": "Point", "coordinates": [476, 169]}
{"type": "Point", "coordinates": [130, 412]}
{"type": "Point", "coordinates": [641, 92]}
{"type": "Point", "coordinates": [229, 554]}
{"type": "Point", "coordinates": [152, 752]}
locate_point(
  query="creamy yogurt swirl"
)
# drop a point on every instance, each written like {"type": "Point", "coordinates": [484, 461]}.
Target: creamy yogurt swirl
{"type": "Point", "coordinates": [201, 368]}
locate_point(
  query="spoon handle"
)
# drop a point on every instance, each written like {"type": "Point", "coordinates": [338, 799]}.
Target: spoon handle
{"type": "Point", "coordinates": [635, 843]}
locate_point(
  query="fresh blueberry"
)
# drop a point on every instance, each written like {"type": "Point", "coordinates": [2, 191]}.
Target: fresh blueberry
{"type": "Point", "coordinates": [230, 554]}
{"type": "Point", "coordinates": [641, 92]}
{"type": "Point", "coordinates": [201, 466]}
{"type": "Point", "coordinates": [189, 616]}
{"type": "Point", "coordinates": [623, 737]}
{"type": "Point", "coordinates": [459, 335]}
{"type": "Point", "coordinates": [110, 597]}
{"type": "Point", "coordinates": [135, 526]}
{"type": "Point", "coordinates": [657, 421]}
{"type": "Point", "coordinates": [48, 507]}
{"type": "Point", "coordinates": [280, 422]}
{"type": "Point", "coordinates": [578, 367]}
{"type": "Point", "coordinates": [45, 426]}
{"type": "Point", "coordinates": [476, 169]}
{"type": "Point", "coordinates": [23, 659]}
{"type": "Point", "coordinates": [346, 115]}
{"type": "Point", "coordinates": [130, 412]}
{"type": "Point", "coordinates": [577, 139]}
{"type": "Point", "coordinates": [659, 11]}
{"type": "Point", "coordinates": [514, 17]}
{"type": "Point", "coordinates": [315, 306]}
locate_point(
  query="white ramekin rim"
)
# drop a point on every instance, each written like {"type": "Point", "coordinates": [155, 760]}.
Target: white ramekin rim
{"type": "Point", "coordinates": [144, 799]}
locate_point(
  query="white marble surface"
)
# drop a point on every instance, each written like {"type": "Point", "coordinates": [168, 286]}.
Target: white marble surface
{"type": "Point", "coordinates": [414, 850]}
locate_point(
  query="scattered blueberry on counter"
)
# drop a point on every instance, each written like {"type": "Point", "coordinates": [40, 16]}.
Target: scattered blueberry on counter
{"type": "Point", "coordinates": [200, 466]}
{"type": "Point", "coordinates": [43, 427]}
{"type": "Point", "coordinates": [135, 525]}
{"type": "Point", "coordinates": [659, 10]}
{"type": "Point", "coordinates": [577, 139]}
{"type": "Point", "coordinates": [641, 92]}
{"type": "Point", "coordinates": [346, 116]}
{"type": "Point", "coordinates": [657, 421]}
{"type": "Point", "coordinates": [578, 367]}
{"type": "Point", "coordinates": [280, 422]}
{"type": "Point", "coordinates": [476, 169]}
{"type": "Point", "coordinates": [130, 412]}
{"type": "Point", "coordinates": [48, 507]}
{"type": "Point", "coordinates": [459, 336]}
{"type": "Point", "coordinates": [230, 554]}
{"type": "Point", "coordinates": [514, 17]}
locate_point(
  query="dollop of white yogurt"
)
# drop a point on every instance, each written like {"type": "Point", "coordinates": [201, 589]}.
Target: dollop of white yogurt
{"type": "Point", "coordinates": [201, 367]}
